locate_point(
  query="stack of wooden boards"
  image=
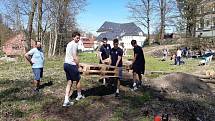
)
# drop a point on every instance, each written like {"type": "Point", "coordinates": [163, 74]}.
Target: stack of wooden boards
{"type": "Point", "coordinates": [104, 71]}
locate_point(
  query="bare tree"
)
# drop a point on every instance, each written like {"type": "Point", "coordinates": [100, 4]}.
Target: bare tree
{"type": "Point", "coordinates": [167, 13]}
{"type": "Point", "coordinates": [141, 11]}
{"type": "Point", "coordinates": [188, 10]}
{"type": "Point", "coordinates": [30, 24]}
{"type": "Point", "coordinates": [39, 29]}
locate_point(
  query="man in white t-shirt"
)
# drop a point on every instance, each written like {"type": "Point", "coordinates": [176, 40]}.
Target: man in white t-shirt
{"type": "Point", "coordinates": [178, 56]}
{"type": "Point", "coordinates": [71, 64]}
{"type": "Point", "coordinates": [36, 58]}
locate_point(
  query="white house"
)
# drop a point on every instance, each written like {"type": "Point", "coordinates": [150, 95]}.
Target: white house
{"type": "Point", "coordinates": [125, 32]}
{"type": "Point", "coordinates": [205, 26]}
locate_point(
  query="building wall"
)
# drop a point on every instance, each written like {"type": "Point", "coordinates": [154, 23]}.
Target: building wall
{"type": "Point", "coordinates": [206, 19]}
{"type": "Point", "coordinates": [15, 46]}
{"type": "Point", "coordinates": [127, 41]}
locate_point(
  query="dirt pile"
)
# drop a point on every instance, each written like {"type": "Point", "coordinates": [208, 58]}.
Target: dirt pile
{"type": "Point", "coordinates": [180, 82]}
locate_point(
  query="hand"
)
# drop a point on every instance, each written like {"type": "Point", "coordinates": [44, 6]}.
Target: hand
{"type": "Point", "coordinates": [102, 61]}
{"type": "Point", "coordinates": [31, 63]}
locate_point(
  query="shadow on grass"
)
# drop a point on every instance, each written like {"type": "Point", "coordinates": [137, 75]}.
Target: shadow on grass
{"type": "Point", "coordinates": [102, 90]}
{"type": "Point", "coordinates": [50, 83]}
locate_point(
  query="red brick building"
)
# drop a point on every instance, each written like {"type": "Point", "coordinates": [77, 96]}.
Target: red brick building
{"type": "Point", "coordinates": [15, 45]}
{"type": "Point", "coordinates": [86, 43]}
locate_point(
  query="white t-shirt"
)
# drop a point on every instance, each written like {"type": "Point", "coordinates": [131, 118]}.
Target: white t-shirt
{"type": "Point", "coordinates": [179, 53]}
{"type": "Point", "coordinates": [71, 49]}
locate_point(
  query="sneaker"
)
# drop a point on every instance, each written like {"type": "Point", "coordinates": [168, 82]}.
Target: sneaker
{"type": "Point", "coordinates": [139, 84]}
{"type": "Point", "coordinates": [79, 97]}
{"type": "Point", "coordinates": [116, 94]}
{"type": "Point", "coordinates": [66, 104]}
{"type": "Point", "coordinates": [36, 90]}
{"type": "Point", "coordinates": [134, 88]}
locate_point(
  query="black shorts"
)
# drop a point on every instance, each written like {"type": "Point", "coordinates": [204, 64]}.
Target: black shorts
{"type": "Point", "coordinates": [139, 68]}
{"type": "Point", "coordinates": [72, 72]}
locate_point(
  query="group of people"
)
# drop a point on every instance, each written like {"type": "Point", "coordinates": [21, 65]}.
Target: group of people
{"type": "Point", "coordinates": [108, 55]}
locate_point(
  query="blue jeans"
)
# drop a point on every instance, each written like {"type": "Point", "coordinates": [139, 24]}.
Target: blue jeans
{"type": "Point", "coordinates": [178, 60]}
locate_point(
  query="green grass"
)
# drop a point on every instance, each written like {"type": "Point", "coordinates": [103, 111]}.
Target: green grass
{"type": "Point", "coordinates": [18, 102]}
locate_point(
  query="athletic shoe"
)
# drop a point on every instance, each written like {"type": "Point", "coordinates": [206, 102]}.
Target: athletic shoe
{"type": "Point", "coordinates": [66, 104]}
{"type": "Point", "coordinates": [36, 90]}
{"type": "Point", "coordinates": [134, 88]}
{"type": "Point", "coordinates": [117, 95]}
{"type": "Point", "coordinates": [79, 97]}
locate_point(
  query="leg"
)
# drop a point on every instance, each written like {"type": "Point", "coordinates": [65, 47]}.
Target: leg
{"type": "Point", "coordinates": [67, 94]}
{"type": "Point", "coordinates": [117, 89]}
{"type": "Point", "coordinates": [37, 75]}
{"type": "Point", "coordinates": [104, 81]}
{"type": "Point", "coordinates": [68, 89]}
{"type": "Point", "coordinates": [80, 96]}
{"type": "Point", "coordinates": [135, 80]}
{"type": "Point", "coordinates": [139, 79]}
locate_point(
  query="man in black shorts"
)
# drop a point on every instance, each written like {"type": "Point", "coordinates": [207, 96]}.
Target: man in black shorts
{"type": "Point", "coordinates": [138, 64]}
{"type": "Point", "coordinates": [116, 60]}
{"type": "Point", "coordinates": [71, 68]}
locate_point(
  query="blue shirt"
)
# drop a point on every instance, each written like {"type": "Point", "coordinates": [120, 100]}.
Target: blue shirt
{"type": "Point", "coordinates": [37, 57]}
{"type": "Point", "coordinates": [115, 53]}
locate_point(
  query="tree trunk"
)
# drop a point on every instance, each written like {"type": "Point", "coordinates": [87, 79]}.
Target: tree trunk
{"type": "Point", "coordinates": [50, 45]}
{"type": "Point", "coordinates": [39, 29]}
{"type": "Point", "coordinates": [148, 22]}
{"type": "Point", "coordinates": [55, 41]}
{"type": "Point", "coordinates": [162, 24]}
{"type": "Point", "coordinates": [30, 24]}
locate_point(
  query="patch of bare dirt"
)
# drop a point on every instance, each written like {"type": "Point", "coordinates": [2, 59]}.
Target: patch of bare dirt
{"type": "Point", "coordinates": [181, 82]}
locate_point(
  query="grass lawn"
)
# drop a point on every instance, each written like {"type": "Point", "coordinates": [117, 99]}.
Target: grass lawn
{"type": "Point", "coordinates": [18, 102]}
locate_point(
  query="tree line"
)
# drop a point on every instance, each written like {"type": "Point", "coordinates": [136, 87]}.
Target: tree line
{"type": "Point", "coordinates": [161, 14]}
{"type": "Point", "coordinates": [47, 21]}
{"type": "Point", "coordinates": [51, 21]}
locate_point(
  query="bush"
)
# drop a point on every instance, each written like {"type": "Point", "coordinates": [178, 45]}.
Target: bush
{"type": "Point", "coordinates": [1, 53]}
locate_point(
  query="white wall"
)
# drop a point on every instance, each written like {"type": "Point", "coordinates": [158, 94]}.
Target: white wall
{"type": "Point", "coordinates": [127, 41]}
{"type": "Point", "coordinates": [206, 33]}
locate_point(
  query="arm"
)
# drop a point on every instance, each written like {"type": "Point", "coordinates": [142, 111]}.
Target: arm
{"type": "Point", "coordinates": [75, 57]}
{"type": "Point", "coordinates": [100, 56]}
{"type": "Point", "coordinates": [28, 58]}
{"type": "Point", "coordinates": [118, 60]}
{"type": "Point", "coordinates": [134, 59]}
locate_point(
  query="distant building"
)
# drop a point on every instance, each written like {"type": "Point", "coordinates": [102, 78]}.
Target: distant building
{"type": "Point", "coordinates": [125, 32]}
{"type": "Point", "coordinates": [86, 44]}
{"type": "Point", "coordinates": [15, 45]}
{"type": "Point", "coordinates": [206, 19]}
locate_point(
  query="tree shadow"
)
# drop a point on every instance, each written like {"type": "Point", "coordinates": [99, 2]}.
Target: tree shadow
{"type": "Point", "coordinates": [102, 90]}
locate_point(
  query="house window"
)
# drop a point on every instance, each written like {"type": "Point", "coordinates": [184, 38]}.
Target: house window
{"type": "Point", "coordinates": [207, 23]}
{"type": "Point", "coordinates": [201, 23]}
{"type": "Point", "coordinates": [214, 7]}
{"type": "Point", "coordinates": [15, 47]}
{"type": "Point", "coordinates": [213, 21]}
{"type": "Point", "coordinates": [202, 9]}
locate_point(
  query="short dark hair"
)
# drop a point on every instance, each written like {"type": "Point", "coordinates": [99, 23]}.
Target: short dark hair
{"type": "Point", "coordinates": [74, 34]}
{"type": "Point", "coordinates": [104, 39]}
{"type": "Point", "coordinates": [115, 41]}
{"type": "Point", "coordinates": [133, 42]}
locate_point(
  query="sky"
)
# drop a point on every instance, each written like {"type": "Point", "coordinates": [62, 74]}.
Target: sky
{"type": "Point", "coordinates": [99, 11]}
